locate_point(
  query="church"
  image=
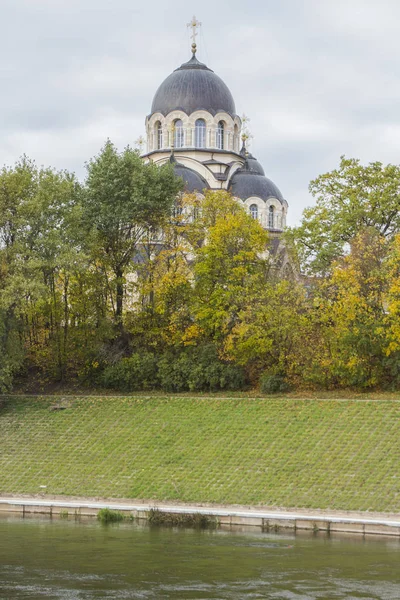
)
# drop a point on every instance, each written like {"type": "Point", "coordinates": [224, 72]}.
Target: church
{"type": "Point", "coordinates": [193, 124]}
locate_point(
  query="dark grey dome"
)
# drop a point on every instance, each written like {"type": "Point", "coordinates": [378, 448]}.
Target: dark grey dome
{"type": "Point", "coordinates": [193, 87]}
{"type": "Point", "coordinates": [193, 181]}
{"type": "Point", "coordinates": [254, 165]}
{"type": "Point", "coordinates": [252, 162]}
{"type": "Point", "coordinates": [246, 183]}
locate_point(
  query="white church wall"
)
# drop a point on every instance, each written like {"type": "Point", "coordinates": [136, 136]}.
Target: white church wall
{"type": "Point", "coordinates": [232, 128]}
{"type": "Point", "coordinates": [264, 211]}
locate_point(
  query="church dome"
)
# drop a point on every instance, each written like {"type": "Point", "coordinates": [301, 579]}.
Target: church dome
{"type": "Point", "coordinates": [192, 180]}
{"type": "Point", "coordinates": [193, 86]}
{"type": "Point", "coordinates": [247, 183]}
{"type": "Point", "coordinates": [254, 165]}
{"type": "Point", "coordinates": [252, 162]}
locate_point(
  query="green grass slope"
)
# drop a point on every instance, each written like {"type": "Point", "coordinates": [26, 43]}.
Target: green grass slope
{"type": "Point", "coordinates": [277, 452]}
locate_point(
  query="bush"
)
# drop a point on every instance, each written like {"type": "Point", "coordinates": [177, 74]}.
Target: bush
{"type": "Point", "coordinates": [138, 372]}
{"type": "Point", "coordinates": [199, 370]}
{"type": "Point", "coordinates": [273, 384]}
{"type": "Point", "coordinates": [191, 370]}
{"type": "Point", "coordinates": [106, 515]}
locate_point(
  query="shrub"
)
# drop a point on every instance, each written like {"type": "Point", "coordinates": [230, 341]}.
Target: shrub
{"type": "Point", "coordinates": [199, 370]}
{"type": "Point", "coordinates": [196, 369]}
{"type": "Point", "coordinates": [106, 515]}
{"type": "Point", "coordinates": [273, 384]}
{"type": "Point", "coordinates": [138, 372]}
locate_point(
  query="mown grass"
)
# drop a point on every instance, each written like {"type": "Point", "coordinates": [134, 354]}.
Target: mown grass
{"type": "Point", "coordinates": [339, 454]}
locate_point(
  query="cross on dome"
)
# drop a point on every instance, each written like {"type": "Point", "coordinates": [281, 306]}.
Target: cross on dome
{"type": "Point", "coordinates": [194, 24]}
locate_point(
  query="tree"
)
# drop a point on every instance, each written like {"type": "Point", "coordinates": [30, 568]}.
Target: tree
{"type": "Point", "coordinates": [125, 200]}
{"type": "Point", "coordinates": [39, 208]}
{"type": "Point", "coordinates": [232, 261]}
{"type": "Point", "coordinates": [349, 199]}
{"type": "Point", "coordinates": [350, 315]}
{"type": "Point", "coordinates": [274, 332]}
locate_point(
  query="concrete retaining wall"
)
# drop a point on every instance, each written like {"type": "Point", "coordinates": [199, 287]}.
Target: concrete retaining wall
{"type": "Point", "coordinates": [264, 521]}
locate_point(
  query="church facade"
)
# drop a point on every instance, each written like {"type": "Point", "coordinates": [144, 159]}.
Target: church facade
{"type": "Point", "coordinates": [193, 123]}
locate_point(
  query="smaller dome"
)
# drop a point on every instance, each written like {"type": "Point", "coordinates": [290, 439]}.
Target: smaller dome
{"type": "Point", "coordinates": [248, 182]}
{"type": "Point", "coordinates": [254, 165]}
{"type": "Point", "coordinates": [192, 180]}
{"type": "Point", "coordinates": [252, 162]}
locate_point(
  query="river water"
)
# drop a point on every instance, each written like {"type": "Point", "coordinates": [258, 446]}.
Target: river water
{"type": "Point", "coordinates": [68, 560]}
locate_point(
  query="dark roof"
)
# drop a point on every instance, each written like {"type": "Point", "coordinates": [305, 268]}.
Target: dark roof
{"type": "Point", "coordinates": [193, 181]}
{"type": "Point", "coordinates": [193, 87]}
{"type": "Point", "coordinates": [254, 165]}
{"type": "Point", "coordinates": [252, 162]}
{"type": "Point", "coordinates": [247, 182]}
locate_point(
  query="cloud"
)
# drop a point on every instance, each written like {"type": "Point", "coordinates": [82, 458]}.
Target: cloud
{"type": "Point", "coordinates": [318, 79]}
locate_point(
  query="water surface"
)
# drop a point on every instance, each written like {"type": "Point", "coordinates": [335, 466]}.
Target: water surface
{"type": "Point", "coordinates": [68, 560]}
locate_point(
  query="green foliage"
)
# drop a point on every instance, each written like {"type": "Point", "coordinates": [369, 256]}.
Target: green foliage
{"type": "Point", "coordinates": [350, 306]}
{"type": "Point", "coordinates": [273, 331]}
{"type": "Point", "coordinates": [199, 370]}
{"type": "Point", "coordinates": [227, 267]}
{"type": "Point", "coordinates": [107, 515]}
{"type": "Point", "coordinates": [349, 199]}
{"type": "Point", "coordinates": [124, 200]}
{"type": "Point", "coordinates": [105, 283]}
{"type": "Point", "coordinates": [138, 372]}
{"type": "Point", "coordinates": [273, 384]}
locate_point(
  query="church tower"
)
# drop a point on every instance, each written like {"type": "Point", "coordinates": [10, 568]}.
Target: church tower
{"type": "Point", "coordinates": [193, 123]}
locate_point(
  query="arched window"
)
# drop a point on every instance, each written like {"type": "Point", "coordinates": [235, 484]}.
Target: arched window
{"type": "Point", "coordinates": [254, 211]}
{"type": "Point", "coordinates": [271, 217]}
{"type": "Point", "coordinates": [200, 134]}
{"type": "Point", "coordinates": [179, 134]}
{"type": "Point", "coordinates": [159, 135]}
{"type": "Point", "coordinates": [177, 210]}
{"type": "Point", "coordinates": [220, 135]}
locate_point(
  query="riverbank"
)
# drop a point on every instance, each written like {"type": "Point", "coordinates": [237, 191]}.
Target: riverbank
{"type": "Point", "coordinates": [261, 518]}
{"type": "Point", "coordinates": [332, 455]}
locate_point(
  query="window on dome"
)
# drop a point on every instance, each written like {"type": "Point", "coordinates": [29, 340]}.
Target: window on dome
{"type": "Point", "coordinates": [159, 135]}
{"type": "Point", "coordinates": [220, 135]}
{"type": "Point", "coordinates": [254, 211]}
{"type": "Point", "coordinates": [179, 134]}
{"type": "Point", "coordinates": [271, 217]}
{"type": "Point", "coordinates": [200, 134]}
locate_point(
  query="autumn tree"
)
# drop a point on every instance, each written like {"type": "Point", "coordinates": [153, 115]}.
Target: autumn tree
{"type": "Point", "coordinates": [350, 315]}
{"type": "Point", "coordinates": [125, 199]}
{"type": "Point", "coordinates": [39, 208]}
{"type": "Point", "coordinates": [274, 333]}
{"type": "Point", "coordinates": [349, 199]}
{"type": "Point", "coordinates": [232, 260]}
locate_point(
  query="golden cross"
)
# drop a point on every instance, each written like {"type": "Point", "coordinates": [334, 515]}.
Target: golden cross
{"type": "Point", "coordinates": [194, 24]}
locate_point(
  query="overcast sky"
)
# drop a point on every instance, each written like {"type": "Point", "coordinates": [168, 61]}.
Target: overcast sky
{"type": "Point", "coordinates": [318, 78]}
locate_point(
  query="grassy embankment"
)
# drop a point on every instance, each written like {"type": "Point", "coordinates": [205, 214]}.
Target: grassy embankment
{"type": "Point", "coordinates": [339, 454]}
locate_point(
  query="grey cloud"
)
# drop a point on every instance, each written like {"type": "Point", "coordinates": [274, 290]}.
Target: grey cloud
{"type": "Point", "coordinates": [318, 78]}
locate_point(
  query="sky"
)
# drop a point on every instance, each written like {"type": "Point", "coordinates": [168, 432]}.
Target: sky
{"type": "Point", "coordinates": [317, 78]}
